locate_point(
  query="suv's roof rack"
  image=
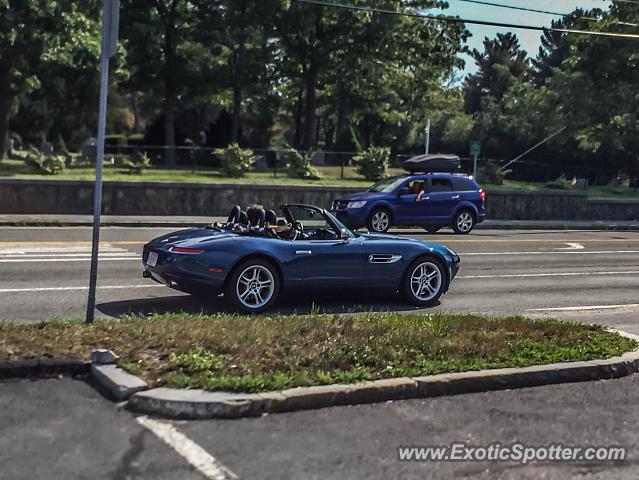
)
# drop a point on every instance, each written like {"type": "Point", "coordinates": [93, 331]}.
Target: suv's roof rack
{"type": "Point", "coordinates": [434, 163]}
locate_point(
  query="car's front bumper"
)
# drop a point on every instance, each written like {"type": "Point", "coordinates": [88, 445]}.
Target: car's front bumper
{"type": "Point", "coordinates": [352, 217]}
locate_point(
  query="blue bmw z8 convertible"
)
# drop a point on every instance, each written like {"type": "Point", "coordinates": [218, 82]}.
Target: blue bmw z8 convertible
{"type": "Point", "coordinates": [255, 259]}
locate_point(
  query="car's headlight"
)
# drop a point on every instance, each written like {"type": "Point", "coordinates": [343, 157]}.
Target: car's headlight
{"type": "Point", "coordinates": [356, 204]}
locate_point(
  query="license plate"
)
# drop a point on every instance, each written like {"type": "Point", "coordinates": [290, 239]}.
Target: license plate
{"type": "Point", "coordinates": [152, 260]}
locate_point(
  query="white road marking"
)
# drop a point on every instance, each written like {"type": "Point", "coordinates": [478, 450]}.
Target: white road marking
{"type": "Point", "coordinates": [569, 252]}
{"type": "Point", "coordinates": [61, 289]}
{"type": "Point", "coordinates": [573, 246]}
{"type": "Point", "coordinates": [550, 274]}
{"type": "Point", "coordinates": [83, 259]}
{"type": "Point", "coordinates": [68, 255]}
{"type": "Point", "coordinates": [584, 307]}
{"type": "Point", "coordinates": [199, 458]}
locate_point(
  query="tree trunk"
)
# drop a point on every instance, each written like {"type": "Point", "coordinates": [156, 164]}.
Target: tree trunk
{"type": "Point", "coordinates": [170, 92]}
{"type": "Point", "coordinates": [237, 92]}
{"type": "Point", "coordinates": [297, 134]}
{"type": "Point", "coordinates": [310, 84]}
{"type": "Point", "coordinates": [6, 101]}
{"type": "Point", "coordinates": [340, 127]}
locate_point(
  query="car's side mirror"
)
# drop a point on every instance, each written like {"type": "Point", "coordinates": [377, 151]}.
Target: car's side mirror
{"type": "Point", "coordinates": [403, 191]}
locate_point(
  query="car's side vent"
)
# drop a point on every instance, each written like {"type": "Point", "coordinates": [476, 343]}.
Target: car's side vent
{"type": "Point", "coordinates": [384, 258]}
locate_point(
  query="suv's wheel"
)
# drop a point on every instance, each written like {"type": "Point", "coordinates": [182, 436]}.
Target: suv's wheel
{"type": "Point", "coordinates": [379, 220]}
{"type": "Point", "coordinates": [432, 229]}
{"type": "Point", "coordinates": [463, 222]}
{"type": "Point", "coordinates": [253, 287]}
{"type": "Point", "coordinates": [424, 281]}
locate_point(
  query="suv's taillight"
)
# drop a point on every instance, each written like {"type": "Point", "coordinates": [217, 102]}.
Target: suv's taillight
{"type": "Point", "coordinates": [482, 195]}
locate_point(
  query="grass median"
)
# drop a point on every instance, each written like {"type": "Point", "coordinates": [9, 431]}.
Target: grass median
{"type": "Point", "coordinates": [252, 354]}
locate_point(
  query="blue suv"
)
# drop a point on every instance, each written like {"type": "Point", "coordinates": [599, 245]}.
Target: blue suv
{"type": "Point", "coordinates": [429, 200]}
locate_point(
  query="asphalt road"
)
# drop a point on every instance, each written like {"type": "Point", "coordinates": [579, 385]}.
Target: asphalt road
{"type": "Point", "coordinates": [580, 275]}
{"type": "Point", "coordinates": [62, 428]}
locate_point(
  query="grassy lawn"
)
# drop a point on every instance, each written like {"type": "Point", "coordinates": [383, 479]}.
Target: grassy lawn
{"type": "Point", "coordinates": [252, 354]}
{"type": "Point", "coordinates": [331, 176]}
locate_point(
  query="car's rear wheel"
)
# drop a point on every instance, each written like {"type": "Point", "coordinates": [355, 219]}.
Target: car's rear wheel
{"type": "Point", "coordinates": [253, 287]}
{"type": "Point", "coordinates": [425, 281]}
{"type": "Point", "coordinates": [463, 222]}
{"type": "Point", "coordinates": [432, 229]}
{"type": "Point", "coordinates": [379, 220]}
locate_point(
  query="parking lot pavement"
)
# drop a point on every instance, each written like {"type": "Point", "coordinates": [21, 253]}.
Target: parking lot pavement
{"type": "Point", "coordinates": [62, 429]}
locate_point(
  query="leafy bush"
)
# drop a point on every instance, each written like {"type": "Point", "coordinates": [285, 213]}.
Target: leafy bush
{"type": "Point", "coordinates": [48, 165]}
{"type": "Point", "coordinates": [234, 161]}
{"type": "Point", "coordinates": [493, 173]}
{"type": "Point", "coordinates": [372, 163]}
{"type": "Point", "coordinates": [137, 163]}
{"type": "Point", "coordinates": [298, 165]}
{"type": "Point", "coordinates": [560, 183]}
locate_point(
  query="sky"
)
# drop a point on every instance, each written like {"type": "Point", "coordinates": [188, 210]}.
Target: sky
{"type": "Point", "coordinates": [529, 39]}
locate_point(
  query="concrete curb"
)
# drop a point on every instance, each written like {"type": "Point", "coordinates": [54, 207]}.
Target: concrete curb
{"type": "Point", "coordinates": [117, 383]}
{"type": "Point", "coordinates": [43, 367]}
{"type": "Point", "coordinates": [200, 404]}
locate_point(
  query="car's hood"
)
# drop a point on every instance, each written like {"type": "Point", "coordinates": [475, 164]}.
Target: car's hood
{"type": "Point", "coordinates": [379, 237]}
{"type": "Point", "coordinates": [352, 197]}
{"type": "Point", "coordinates": [191, 237]}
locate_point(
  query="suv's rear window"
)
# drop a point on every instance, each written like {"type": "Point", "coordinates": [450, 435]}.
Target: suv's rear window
{"type": "Point", "coordinates": [441, 185]}
{"type": "Point", "coordinates": [462, 184]}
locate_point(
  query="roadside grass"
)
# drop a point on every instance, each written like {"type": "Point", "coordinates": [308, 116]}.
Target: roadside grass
{"type": "Point", "coordinates": [253, 354]}
{"type": "Point", "coordinates": [331, 176]}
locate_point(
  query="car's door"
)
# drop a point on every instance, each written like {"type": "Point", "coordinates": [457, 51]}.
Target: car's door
{"type": "Point", "coordinates": [331, 264]}
{"type": "Point", "coordinates": [405, 206]}
{"type": "Point", "coordinates": [439, 202]}
{"type": "Point", "coordinates": [326, 257]}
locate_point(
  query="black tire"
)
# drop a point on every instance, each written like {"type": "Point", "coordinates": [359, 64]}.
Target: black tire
{"type": "Point", "coordinates": [431, 263]}
{"type": "Point", "coordinates": [432, 229]}
{"type": "Point", "coordinates": [464, 222]}
{"type": "Point", "coordinates": [234, 289]}
{"type": "Point", "coordinates": [379, 221]}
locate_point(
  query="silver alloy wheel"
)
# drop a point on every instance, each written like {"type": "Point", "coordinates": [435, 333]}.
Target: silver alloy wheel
{"type": "Point", "coordinates": [255, 286]}
{"type": "Point", "coordinates": [425, 281]}
{"type": "Point", "coordinates": [464, 221]}
{"type": "Point", "coordinates": [380, 221]}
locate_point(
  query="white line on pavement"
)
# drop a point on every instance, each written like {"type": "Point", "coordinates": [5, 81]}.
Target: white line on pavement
{"type": "Point", "coordinates": [550, 274]}
{"type": "Point", "coordinates": [66, 255]}
{"type": "Point", "coordinates": [61, 289]}
{"type": "Point", "coordinates": [541, 252]}
{"type": "Point", "coordinates": [584, 307]}
{"type": "Point", "coordinates": [199, 458]}
{"type": "Point", "coordinates": [83, 259]}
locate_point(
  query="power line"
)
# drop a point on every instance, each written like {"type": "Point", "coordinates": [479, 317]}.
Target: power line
{"type": "Point", "coordinates": [469, 21]}
{"type": "Point", "coordinates": [513, 7]}
{"type": "Point", "coordinates": [526, 9]}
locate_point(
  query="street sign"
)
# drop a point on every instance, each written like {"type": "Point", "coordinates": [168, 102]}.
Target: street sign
{"type": "Point", "coordinates": [475, 148]}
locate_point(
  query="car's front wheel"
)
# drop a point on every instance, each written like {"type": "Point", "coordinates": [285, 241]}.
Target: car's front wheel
{"type": "Point", "coordinates": [379, 220]}
{"type": "Point", "coordinates": [253, 287]}
{"type": "Point", "coordinates": [425, 281]}
{"type": "Point", "coordinates": [463, 222]}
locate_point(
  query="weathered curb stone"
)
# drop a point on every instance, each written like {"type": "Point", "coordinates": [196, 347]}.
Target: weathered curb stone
{"type": "Point", "coordinates": [200, 404]}
{"type": "Point", "coordinates": [118, 383]}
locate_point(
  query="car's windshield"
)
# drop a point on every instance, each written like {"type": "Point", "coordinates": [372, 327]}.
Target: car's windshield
{"type": "Point", "coordinates": [388, 185]}
{"type": "Point", "coordinates": [314, 219]}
